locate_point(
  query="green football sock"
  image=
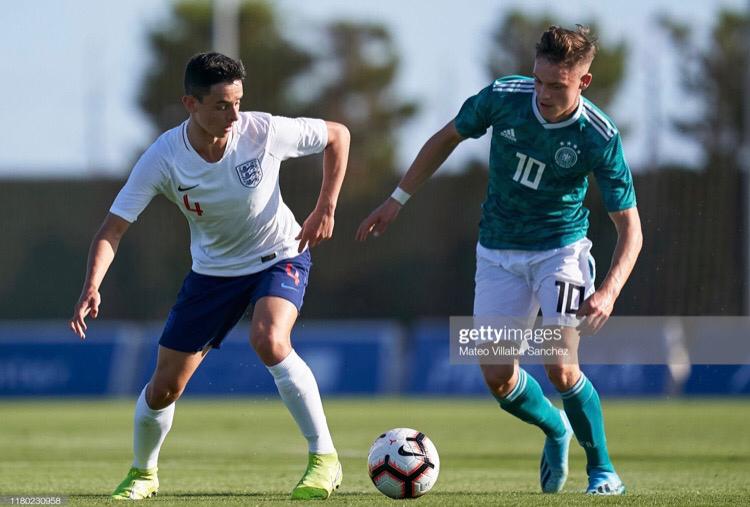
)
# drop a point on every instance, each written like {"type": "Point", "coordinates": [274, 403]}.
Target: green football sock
{"type": "Point", "coordinates": [527, 402]}
{"type": "Point", "coordinates": [584, 410]}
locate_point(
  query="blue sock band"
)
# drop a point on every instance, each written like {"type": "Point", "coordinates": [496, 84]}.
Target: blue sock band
{"type": "Point", "coordinates": [527, 402]}
{"type": "Point", "coordinates": [584, 410]}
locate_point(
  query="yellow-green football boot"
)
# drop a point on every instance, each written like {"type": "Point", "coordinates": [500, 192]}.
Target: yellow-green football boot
{"type": "Point", "coordinates": [322, 477]}
{"type": "Point", "coordinates": [138, 484]}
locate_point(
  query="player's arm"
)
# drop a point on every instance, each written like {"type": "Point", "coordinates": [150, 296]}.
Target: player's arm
{"type": "Point", "coordinates": [319, 225]}
{"type": "Point", "coordinates": [102, 252]}
{"type": "Point", "coordinates": [432, 155]}
{"type": "Point", "coordinates": [599, 305]}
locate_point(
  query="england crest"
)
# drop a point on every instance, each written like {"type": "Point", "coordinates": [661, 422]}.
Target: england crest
{"type": "Point", "coordinates": [250, 173]}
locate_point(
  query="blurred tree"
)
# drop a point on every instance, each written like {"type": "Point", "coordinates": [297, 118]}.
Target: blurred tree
{"type": "Point", "coordinates": [356, 88]}
{"type": "Point", "coordinates": [715, 76]}
{"type": "Point", "coordinates": [271, 61]}
{"type": "Point", "coordinates": [514, 47]}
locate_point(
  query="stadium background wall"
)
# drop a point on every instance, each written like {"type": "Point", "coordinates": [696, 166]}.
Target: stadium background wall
{"type": "Point", "coordinates": [361, 357]}
{"type": "Point", "coordinates": [691, 264]}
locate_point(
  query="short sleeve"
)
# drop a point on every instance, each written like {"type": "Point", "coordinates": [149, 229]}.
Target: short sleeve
{"type": "Point", "coordinates": [296, 137]}
{"type": "Point", "coordinates": [145, 181]}
{"type": "Point", "coordinates": [475, 116]}
{"type": "Point", "coordinates": [614, 177]}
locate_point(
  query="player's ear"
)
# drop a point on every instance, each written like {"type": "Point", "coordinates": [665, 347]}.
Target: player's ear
{"type": "Point", "coordinates": [586, 80]}
{"type": "Point", "coordinates": [189, 102]}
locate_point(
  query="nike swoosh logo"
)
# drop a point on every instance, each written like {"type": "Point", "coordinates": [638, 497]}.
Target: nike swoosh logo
{"type": "Point", "coordinates": [288, 286]}
{"type": "Point", "coordinates": [185, 189]}
{"type": "Point", "coordinates": [404, 452]}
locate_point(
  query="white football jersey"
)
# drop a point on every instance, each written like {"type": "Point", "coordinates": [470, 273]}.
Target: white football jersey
{"type": "Point", "coordinates": [238, 222]}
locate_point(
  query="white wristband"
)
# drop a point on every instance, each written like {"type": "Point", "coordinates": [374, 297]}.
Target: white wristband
{"type": "Point", "coordinates": [400, 196]}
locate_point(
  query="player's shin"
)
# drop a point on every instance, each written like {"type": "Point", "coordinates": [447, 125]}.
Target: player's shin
{"type": "Point", "coordinates": [299, 392]}
{"type": "Point", "coordinates": [584, 410]}
{"type": "Point", "coordinates": [149, 431]}
{"type": "Point", "coordinates": [527, 402]}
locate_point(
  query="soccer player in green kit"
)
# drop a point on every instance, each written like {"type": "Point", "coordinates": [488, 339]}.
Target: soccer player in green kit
{"type": "Point", "coordinates": [532, 251]}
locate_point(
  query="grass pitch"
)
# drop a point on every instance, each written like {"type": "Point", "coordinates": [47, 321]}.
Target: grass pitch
{"type": "Point", "coordinates": [243, 451]}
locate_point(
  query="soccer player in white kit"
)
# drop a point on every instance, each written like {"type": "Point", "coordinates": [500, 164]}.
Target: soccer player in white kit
{"type": "Point", "coordinates": [221, 168]}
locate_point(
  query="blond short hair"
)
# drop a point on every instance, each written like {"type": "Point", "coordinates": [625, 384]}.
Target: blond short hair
{"type": "Point", "coordinates": [567, 47]}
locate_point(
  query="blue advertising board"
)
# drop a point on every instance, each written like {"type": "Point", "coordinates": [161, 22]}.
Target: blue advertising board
{"type": "Point", "coordinates": [348, 358]}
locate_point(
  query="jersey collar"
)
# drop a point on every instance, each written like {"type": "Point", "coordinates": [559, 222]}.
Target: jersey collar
{"type": "Point", "coordinates": [189, 147]}
{"type": "Point", "coordinates": [560, 124]}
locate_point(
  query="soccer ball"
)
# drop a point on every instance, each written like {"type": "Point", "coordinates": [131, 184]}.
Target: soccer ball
{"type": "Point", "coordinates": [403, 463]}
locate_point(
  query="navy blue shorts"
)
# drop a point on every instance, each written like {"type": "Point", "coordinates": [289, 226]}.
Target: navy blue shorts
{"type": "Point", "coordinates": [208, 307]}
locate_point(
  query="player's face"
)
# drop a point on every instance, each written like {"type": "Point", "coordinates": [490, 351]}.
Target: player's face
{"type": "Point", "coordinates": [558, 88]}
{"type": "Point", "coordinates": [216, 112]}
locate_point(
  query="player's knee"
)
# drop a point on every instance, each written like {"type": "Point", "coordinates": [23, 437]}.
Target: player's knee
{"type": "Point", "coordinates": [499, 378]}
{"type": "Point", "coordinates": [271, 347]}
{"type": "Point", "coordinates": [563, 376]}
{"type": "Point", "coordinates": [161, 394]}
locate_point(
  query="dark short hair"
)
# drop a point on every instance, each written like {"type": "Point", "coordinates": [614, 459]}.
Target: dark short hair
{"type": "Point", "coordinates": [567, 47]}
{"type": "Point", "coordinates": [207, 69]}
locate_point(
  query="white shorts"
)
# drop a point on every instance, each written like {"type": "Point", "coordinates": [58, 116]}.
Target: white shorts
{"type": "Point", "coordinates": [517, 283]}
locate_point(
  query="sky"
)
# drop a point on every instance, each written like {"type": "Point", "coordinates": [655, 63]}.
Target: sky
{"type": "Point", "coordinates": [70, 105]}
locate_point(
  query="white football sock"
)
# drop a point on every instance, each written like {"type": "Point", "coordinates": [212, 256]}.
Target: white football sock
{"type": "Point", "coordinates": [150, 429]}
{"type": "Point", "coordinates": [299, 392]}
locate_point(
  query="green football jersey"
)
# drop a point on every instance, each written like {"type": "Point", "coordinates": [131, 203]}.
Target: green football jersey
{"type": "Point", "coordinates": [539, 170]}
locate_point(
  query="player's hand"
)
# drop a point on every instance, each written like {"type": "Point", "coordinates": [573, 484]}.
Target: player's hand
{"type": "Point", "coordinates": [88, 304]}
{"type": "Point", "coordinates": [317, 228]}
{"type": "Point", "coordinates": [379, 220]}
{"type": "Point", "coordinates": [596, 308]}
